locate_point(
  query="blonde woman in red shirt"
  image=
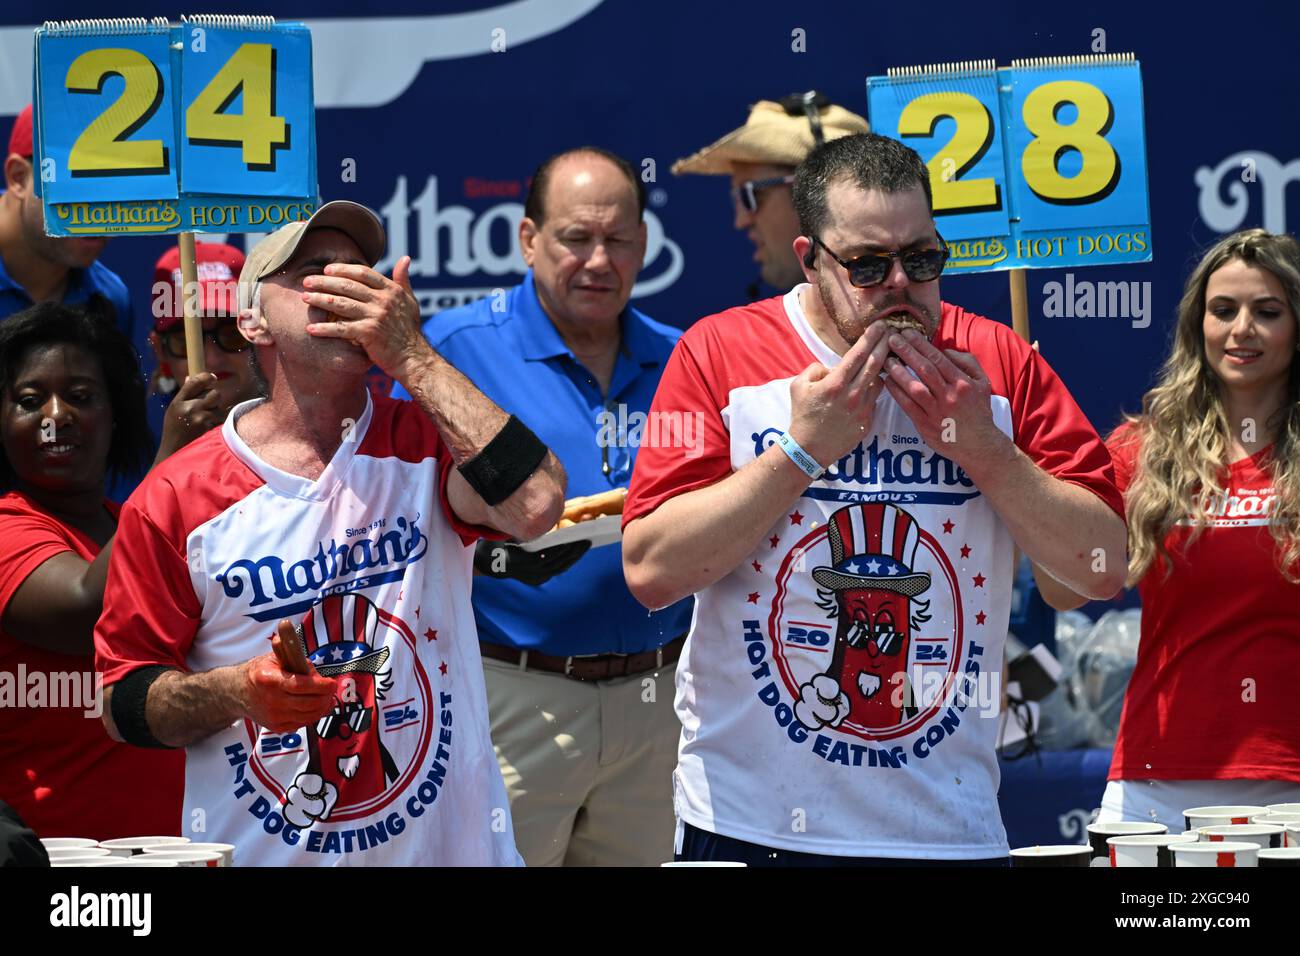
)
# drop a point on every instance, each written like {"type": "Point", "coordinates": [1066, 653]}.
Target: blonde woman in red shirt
{"type": "Point", "coordinates": [1210, 472]}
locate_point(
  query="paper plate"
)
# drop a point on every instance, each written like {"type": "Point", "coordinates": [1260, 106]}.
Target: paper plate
{"type": "Point", "coordinates": [599, 531]}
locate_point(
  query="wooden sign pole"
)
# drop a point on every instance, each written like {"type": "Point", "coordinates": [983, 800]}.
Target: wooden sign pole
{"type": "Point", "coordinates": [1019, 303]}
{"type": "Point", "coordinates": [190, 297]}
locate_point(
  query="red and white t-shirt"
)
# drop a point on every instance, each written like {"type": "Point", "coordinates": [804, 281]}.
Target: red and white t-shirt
{"type": "Point", "coordinates": [58, 767]}
{"type": "Point", "coordinates": [216, 546]}
{"type": "Point", "coordinates": [839, 690]}
{"type": "Point", "coordinates": [1212, 695]}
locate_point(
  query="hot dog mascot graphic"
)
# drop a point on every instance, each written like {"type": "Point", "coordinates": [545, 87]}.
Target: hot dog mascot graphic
{"type": "Point", "coordinates": [851, 633]}
{"type": "Point", "coordinates": [345, 748]}
{"type": "Point", "coordinates": [869, 590]}
{"type": "Point", "coordinates": [350, 767]}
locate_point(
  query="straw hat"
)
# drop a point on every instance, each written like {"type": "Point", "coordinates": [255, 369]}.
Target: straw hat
{"type": "Point", "coordinates": [775, 133]}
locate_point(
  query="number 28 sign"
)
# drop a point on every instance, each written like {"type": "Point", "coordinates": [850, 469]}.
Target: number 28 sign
{"type": "Point", "coordinates": [1039, 165]}
{"type": "Point", "coordinates": [148, 128]}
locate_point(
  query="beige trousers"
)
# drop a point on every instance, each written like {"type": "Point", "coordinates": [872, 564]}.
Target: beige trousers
{"type": "Point", "coordinates": [587, 766]}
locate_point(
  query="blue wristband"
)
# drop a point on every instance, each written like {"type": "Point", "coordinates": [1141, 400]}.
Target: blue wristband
{"type": "Point", "coordinates": [800, 457]}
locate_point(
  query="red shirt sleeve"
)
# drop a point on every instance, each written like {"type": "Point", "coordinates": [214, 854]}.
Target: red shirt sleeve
{"type": "Point", "coordinates": [405, 430]}
{"type": "Point", "coordinates": [469, 533]}
{"type": "Point", "coordinates": [686, 393]}
{"type": "Point", "coordinates": [151, 612]}
{"type": "Point", "coordinates": [30, 540]}
{"type": "Point", "coordinates": [1053, 431]}
{"type": "Point", "coordinates": [1124, 443]}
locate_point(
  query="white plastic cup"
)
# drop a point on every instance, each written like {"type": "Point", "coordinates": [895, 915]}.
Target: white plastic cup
{"type": "Point", "coordinates": [1283, 808]}
{"type": "Point", "coordinates": [61, 853]}
{"type": "Point", "coordinates": [1073, 855]}
{"type": "Point", "coordinates": [1293, 834]}
{"type": "Point", "coordinates": [67, 843]}
{"type": "Point", "coordinates": [704, 863]}
{"type": "Point", "coordinates": [1145, 849]}
{"type": "Point", "coordinates": [143, 860]}
{"type": "Point", "coordinates": [1283, 856]}
{"type": "Point", "coordinates": [92, 861]}
{"type": "Point", "coordinates": [1226, 854]}
{"type": "Point", "coordinates": [1197, 817]}
{"type": "Point", "coordinates": [80, 860]}
{"type": "Point", "coordinates": [1281, 819]}
{"type": "Point", "coordinates": [227, 850]}
{"type": "Point", "coordinates": [1267, 835]}
{"type": "Point", "coordinates": [1099, 833]}
{"type": "Point", "coordinates": [134, 846]}
{"type": "Point", "coordinates": [185, 857]}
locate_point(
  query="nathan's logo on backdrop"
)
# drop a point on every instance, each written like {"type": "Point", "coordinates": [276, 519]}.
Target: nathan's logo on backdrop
{"type": "Point", "coordinates": [1238, 176]}
{"type": "Point", "coordinates": [463, 240]}
{"type": "Point", "coordinates": [374, 556]}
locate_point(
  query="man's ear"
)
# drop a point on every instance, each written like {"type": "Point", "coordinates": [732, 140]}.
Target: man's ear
{"type": "Point", "coordinates": [528, 233]}
{"type": "Point", "coordinates": [252, 326]}
{"type": "Point", "coordinates": [18, 175]}
{"type": "Point", "coordinates": [806, 253]}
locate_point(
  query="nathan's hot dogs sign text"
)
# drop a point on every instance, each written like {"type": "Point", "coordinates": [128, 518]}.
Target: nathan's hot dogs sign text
{"type": "Point", "coordinates": [148, 128]}
{"type": "Point", "coordinates": [1039, 165]}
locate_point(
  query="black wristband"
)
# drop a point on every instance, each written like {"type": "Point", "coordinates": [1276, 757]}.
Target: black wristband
{"type": "Point", "coordinates": [505, 462]}
{"type": "Point", "coordinates": [129, 697]}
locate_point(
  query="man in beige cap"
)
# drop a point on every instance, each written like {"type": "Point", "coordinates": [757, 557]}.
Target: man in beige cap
{"type": "Point", "coordinates": [760, 157]}
{"type": "Point", "coordinates": [338, 527]}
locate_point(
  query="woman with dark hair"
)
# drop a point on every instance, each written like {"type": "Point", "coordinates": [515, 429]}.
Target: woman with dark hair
{"type": "Point", "coordinates": [72, 410]}
{"type": "Point", "coordinates": [1210, 472]}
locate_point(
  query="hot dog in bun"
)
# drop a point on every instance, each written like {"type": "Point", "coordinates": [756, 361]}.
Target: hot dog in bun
{"type": "Point", "coordinates": [592, 506]}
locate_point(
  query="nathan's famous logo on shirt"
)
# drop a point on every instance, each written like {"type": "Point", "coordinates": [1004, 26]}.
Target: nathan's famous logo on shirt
{"type": "Point", "coordinates": [370, 758]}
{"type": "Point", "coordinates": [901, 465]}
{"type": "Point", "coordinates": [851, 644]}
{"type": "Point", "coordinates": [1244, 507]}
{"type": "Point", "coordinates": [376, 555]}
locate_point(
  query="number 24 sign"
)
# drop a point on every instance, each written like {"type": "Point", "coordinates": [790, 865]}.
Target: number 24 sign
{"type": "Point", "coordinates": [192, 119]}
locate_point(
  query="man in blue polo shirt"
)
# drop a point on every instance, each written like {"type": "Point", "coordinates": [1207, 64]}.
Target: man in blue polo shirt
{"type": "Point", "coordinates": [579, 676]}
{"type": "Point", "coordinates": [35, 267]}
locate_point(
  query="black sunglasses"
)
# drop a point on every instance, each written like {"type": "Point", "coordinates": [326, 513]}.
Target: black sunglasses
{"type": "Point", "coordinates": [352, 719]}
{"type": "Point", "coordinates": [920, 265]}
{"type": "Point", "coordinates": [888, 641]}
{"type": "Point", "coordinates": [226, 335]}
{"type": "Point", "coordinates": [745, 195]}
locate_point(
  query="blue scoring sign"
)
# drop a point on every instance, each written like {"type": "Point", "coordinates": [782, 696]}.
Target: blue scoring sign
{"type": "Point", "coordinates": [1039, 165]}
{"type": "Point", "coordinates": [147, 128]}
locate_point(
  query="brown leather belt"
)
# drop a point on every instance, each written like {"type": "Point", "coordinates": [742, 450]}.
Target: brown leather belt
{"type": "Point", "coordinates": [590, 667]}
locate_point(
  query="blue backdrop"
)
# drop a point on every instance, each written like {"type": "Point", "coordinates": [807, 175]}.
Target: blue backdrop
{"type": "Point", "coordinates": [443, 131]}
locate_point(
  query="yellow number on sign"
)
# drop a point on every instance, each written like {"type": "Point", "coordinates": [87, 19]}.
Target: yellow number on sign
{"type": "Point", "coordinates": [1100, 169]}
{"type": "Point", "coordinates": [103, 149]}
{"type": "Point", "coordinates": [966, 148]}
{"type": "Point", "coordinates": [251, 71]}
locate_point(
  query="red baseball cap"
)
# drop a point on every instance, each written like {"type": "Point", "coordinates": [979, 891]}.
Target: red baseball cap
{"type": "Point", "coordinates": [218, 267]}
{"type": "Point", "coordinates": [20, 137]}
